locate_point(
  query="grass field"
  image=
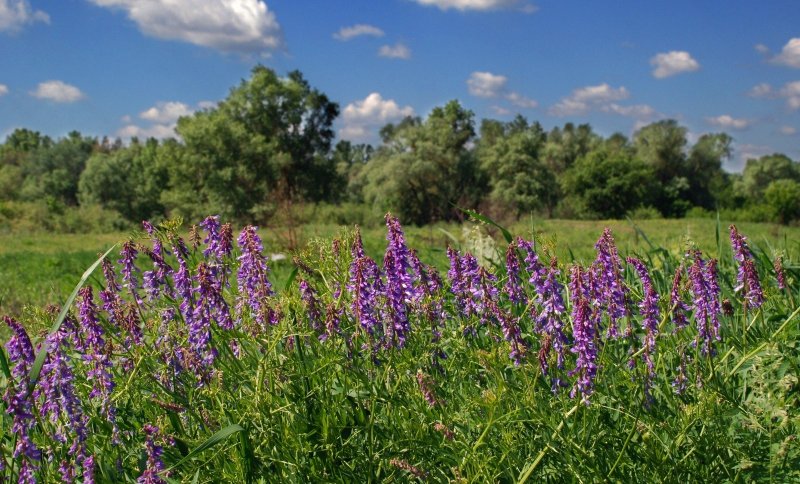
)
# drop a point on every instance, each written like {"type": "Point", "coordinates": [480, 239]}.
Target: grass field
{"type": "Point", "coordinates": [42, 269]}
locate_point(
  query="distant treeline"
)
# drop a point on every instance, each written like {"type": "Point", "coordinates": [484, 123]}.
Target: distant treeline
{"type": "Point", "coordinates": [269, 147]}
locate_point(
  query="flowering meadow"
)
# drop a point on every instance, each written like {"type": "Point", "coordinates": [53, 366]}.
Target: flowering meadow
{"type": "Point", "coordinates": [185, 364]}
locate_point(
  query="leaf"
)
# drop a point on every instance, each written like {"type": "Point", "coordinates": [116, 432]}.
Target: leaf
{"type": "Point", "coordinates": [290, 280]}
{"type": "Point", "coordinates": [483, 218]}
{"type": "Point", "coordinates": [210, 442]}
{"type": "Point", "coordinates": [4, 364]}
{"type": "Point", "coordinates": [37, 364]}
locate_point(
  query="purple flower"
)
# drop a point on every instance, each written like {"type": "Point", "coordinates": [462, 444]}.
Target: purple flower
{"type": "Point", "coordinates": [155, 464]}
{"type": "Point", "coordinates": [205, 310]}
{"type": "Point", "coordinates": [548, 321]}
{"type": "Point", "coordinates": [678, 307]}
{"type": "Point", "coordinates": [535, 268]}
{"type": "Point", "coordinates": [400, 291]}
{"type": "Point", "coordinates": [513, 286]}
{"type": "Point", "coordinates": [705, 289]}
{"type": "Point", "coordinates": [747, 277]}
{"type": "Point", "coordinates": [584, 332]}
{"type": "Point", "coordinates": [155, 279]}
{"type": "Point", "coordinates": [129, 269]}
{"type": "Point", "coordinates": [780, 275]}
{"type": "Point", "coordinates": [182, 280]}
{"type": "Point", "coordinates": [610, 289]}
{"type": "Point", "coordinates": [648, 308]}
{"type": "Point", "coordinates": [366, 286]}
{"type": "Point", "coordinates": [19, 401]}
{"type": "Point", "coordinates": [253, 281]}
{"type": "Point", "coordinates": [309, 298]}
{"type": "Point", "coordinates": [212, 240]}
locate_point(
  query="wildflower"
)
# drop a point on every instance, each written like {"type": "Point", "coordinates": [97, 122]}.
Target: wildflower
{"type": "Point", "coordinates": [611, 290]}
{"type": "Point", "coordinates": [425, 383]}
{"type": "Point", "coordinates": [365, 285]}
{"type": "Point", "coordinates": [19, 404]}
{"type": "Point", "coordinates": [253, 281]}
{"type": "Point", "coordinates": [399, 283]}
{"type": "Point", "coordinates": [513, 286]}
{"type": "Point", "coordinates": [678, 307]}
{"type": "Point", "coordinates": [548, 321]}
{"type": "Point", "coordinates": [648, 308]}
{"type": "Point", "coordinates": [209, 306]}
{"type": "Point", "coordinates": [780, 275]}
{"type": "Point", "coordinates": [155, 464]}
{"type": "Point", "coordinates": [129, 269]}
{"type": "Point", "coordinates": [705, 289]}
{"type": "Point", "coordinates": [679, 383]}
{"type": "Point", "coordinates": [535, 268]}
{"type": "Point", "coordinates": [583, 334]}
{"type": "Point", "coordinates": [747, 277]}
{"type": "Point", "coordinates": [311, 303]}
{"type": "Point", "coordinates": [413, 470]}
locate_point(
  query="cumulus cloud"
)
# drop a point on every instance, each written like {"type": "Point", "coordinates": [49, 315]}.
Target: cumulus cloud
{"type": "Point", "coordinates": [3, 89]}
{"type": "Point", "coordinates": [159, 131]}
{"type": "Point", "coordinates": [488, 85]}
{"type": "Point", "coordinates": [240, 26]}
{"type": "Point", "coordinates": [358, 30]}
{"type": "Point", "coordinates": [790, 93]}
{"type": "Point", "coordinates": [584, 99]}
{"type": "Point", "coordinates": [790, 55]}
{"type": "Point", "coordinates": [166, 112]}
{"type": "Point", "coordinates": [761, 49]}
{"type": "Point", "coordinates": [480, 5]}
{"type": "Point", "coordinates": [501, 111]}
{"type": "Point", "coordinates": [396, 51]}
{"type": "Point", "coordinates": [788, 130]}
{"type": "Point", "coordinates": [726, 121]}
{"type": "Point", "coordinates": [362, 118]}
{"type": "Point", "coordinates": [15, 14]}
{"type": "Point", "coordinates": [671, 63]}
{"type": "Point", "coordinates": [636, 111]}
{"type": "Point", "coordinates": [57, 91]}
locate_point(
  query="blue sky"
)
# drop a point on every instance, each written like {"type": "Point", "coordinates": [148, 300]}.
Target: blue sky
{"type": "Point", "coordinates": [130, 67]}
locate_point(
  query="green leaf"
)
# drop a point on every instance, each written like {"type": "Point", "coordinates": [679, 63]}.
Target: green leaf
{"type": "Point", "coordinates": [4, 364]}
{"type": "Point", "coordinates": [483, 218]}
{"type": "Point", "coordinates": [290, 280]}
{"type": "Point", "coordinates": [37, 364]}
{"type": "Point", "coordinates": [210, 442]}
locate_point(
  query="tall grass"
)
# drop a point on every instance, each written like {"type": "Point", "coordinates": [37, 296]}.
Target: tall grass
{"type": "Point", "coordinates": [301, 391]}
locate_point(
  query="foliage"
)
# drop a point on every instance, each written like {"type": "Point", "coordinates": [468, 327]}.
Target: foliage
{"type": "Point", "coordinates": [297, 386]}
{"type": "Point", "coordinates": [783, 196]}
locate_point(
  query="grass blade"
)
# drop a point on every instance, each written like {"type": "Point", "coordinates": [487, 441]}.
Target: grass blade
{"type": "Point", "coordinates": [483, 218]}
{"type": "Point", "coordinates": [37, 364]}
{"type": "Point", "coordinates": [210, 442]}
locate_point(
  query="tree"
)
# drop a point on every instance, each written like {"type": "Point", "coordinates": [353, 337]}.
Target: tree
{"type": "Point", "coordinates": [662, 146]}
{"type": "Point", "coordinates": [424, 170]}
{"type": "Point", "coordinates": [707, 181]}
{"type": "Point", "coordinates": [270, 138]}
{"type": "Point", "coordinates": [128, 180]}
{"type": "Point", "coordinates": [510, 156]}
{"type": "Point", "coordinates": [783, 196]}
{"type": "Point", "coordinates": [759, 173]}
{"type": "Point", "coordinates": [607, 183]}
{"type": "Point", "coordinates": [51, 172]}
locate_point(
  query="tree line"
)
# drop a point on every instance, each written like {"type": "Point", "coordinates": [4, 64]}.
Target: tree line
{"type": "Point", "coordinates": [270, 144]}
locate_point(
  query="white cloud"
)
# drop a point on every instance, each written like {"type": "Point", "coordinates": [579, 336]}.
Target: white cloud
{"type": "Point", "coordinates": [396, 51]}
{"type": "Point", "coordinates": [726, 121]}
{"type": "Point", "coordinates": [486, 84]}
{"type": "Point", "coordinates": [671, 63]}
{"type": "Point", "coordinates": [521, 101]}
{"type": "Point", "coordinates": [159, 131]}
{"type": "Point", "coordinates": [57, 91]}
{"type": "Point", "coordinates": [358, 30]}
{"type": "Point", "coordinates": [790, 55]}
{"type": "Point", "coordinates": [761, 49]}
{"type": "Point", "coordinates": [500, 111]}
{"type": "Point", "coordinates": [584, 99]}
{"type": "Point", "coordinates": [744, 152]}
{"type": "Point", "coordinates": [241, 26]}
{"type": "Point", "coordinates": [166, 112]}
{"type": "Point", "coordinates": [636, 111]}
{"type": "Point", "coordinates": [15, 14]}
{"type": "Point", "coordinates": [3, 89]}
{"type": "Point", "coordinates": [480, 5]}
{"type": "Point", "coordinates": [362, 118]}
{"type": "Point", "coordinates": [761, 90]}
{"type": "Point", "coordinates": [788, 130]}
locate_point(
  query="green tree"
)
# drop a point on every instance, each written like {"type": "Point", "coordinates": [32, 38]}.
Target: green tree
{"type": "Point", "coordinates": [269, 139]}
{"type": "Point", "coordinates": [51, 172]}
{"type": "Point", "coordinates": [759, 173]}
{"type": "Point", "coordinates": [662, 146]}
{"type": "Point", "coordinates": [783, 196]}
{"type": "Point", "coordinates": [607, 183]}
{"type": "Point", "coordinates": [518, 179]}
{"type": "Point", "coordinates": [424, 170]}
{"type": "Point", "coordinates": [708, 183]}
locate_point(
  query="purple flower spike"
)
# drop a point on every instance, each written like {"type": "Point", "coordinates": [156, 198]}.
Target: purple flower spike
{"type": "Point", "coordinates": [513, 286]}
{"type": "Point", "coordinates": [365, 285]}
{"type": "Point", "coordinates": [648, 308]}
{"type": "Point", "coordinates": [548, 322]}
{"type": "Point", "coordinates": [780, 275]}
{"type": "Point", "coordinates": [678, 306]}
{"type": "Point", "coordinates": [212, 240]}
{"type": "Point", "coordinates": [309, 297]}
{"type": "Point", "coordinates": [584, 333]}
{"type": "Point", "coordinates": [705, 290]}
{"type": "Point", "coordinates": [747, 277]}
{"type": "Point", "coordinates": [400, 290]}
{"type": "Point", "coordinates": [19, 401]}
{"type": "Point", "coordinates": [129, 269]}
{"type": "Point", "coordinates": [611, 292]}
{"type": "Point", "coordinates": [255, 290]}
{"type": "Point", "coordinates": [155, 464]}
